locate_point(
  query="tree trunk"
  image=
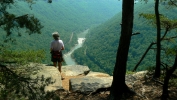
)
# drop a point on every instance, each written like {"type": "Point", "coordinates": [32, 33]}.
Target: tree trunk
{"type": "Point", "coordinates": [158, 62]}
{"type": "Point", "coordinates": [169, 72]}
{"type": "Point", "coordinates": [118, 85]}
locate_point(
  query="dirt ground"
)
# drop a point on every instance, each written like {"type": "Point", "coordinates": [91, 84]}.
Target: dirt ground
{"type": "Point", "coordinates": [65, 82]}
{"type": "Point", "coordinates": [146, 89]}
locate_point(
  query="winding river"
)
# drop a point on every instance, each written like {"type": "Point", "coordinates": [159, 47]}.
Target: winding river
{"type": "Point", "coordinates": [81, 38]}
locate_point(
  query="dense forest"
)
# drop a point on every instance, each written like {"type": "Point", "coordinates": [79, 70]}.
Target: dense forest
{"type": "Point", "coordinates": [100, 48]}
{"type": "Point", "coordinates": [68, 17]}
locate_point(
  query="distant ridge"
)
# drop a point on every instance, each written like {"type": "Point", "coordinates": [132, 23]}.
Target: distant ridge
{"type": "Point", "coordinates": [102, 41]}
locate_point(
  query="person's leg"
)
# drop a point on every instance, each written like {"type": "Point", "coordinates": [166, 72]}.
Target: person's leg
{"type": "Point", "coordinates": [59, 66]}
{"type": "Point", "coordinates": [55, 64]}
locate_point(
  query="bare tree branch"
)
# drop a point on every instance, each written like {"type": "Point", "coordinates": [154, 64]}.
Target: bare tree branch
{"type": "Point", "coordinates": [144, 55]}
{"type": "Point", "coordinates": [170, 38]}
{"type": "Point", "coordinates": [173, 3]}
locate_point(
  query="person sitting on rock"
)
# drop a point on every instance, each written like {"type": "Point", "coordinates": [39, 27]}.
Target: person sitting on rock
{"type": "Point", "coordinates": [56, 48]}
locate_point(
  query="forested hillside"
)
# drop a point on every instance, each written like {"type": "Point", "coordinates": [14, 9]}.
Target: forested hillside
{"type": "Point", "coordinates": [68, 17]}
{"type": "Point", "coordinates": [100, 48]}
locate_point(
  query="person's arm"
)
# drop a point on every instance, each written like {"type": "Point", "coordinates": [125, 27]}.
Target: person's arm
{"type": "Point", "coordinates": [62, 48]}
{"type": "Point", "coordinates": [50, 49]}
{"type": "Point", "coordinates": [62, 45]}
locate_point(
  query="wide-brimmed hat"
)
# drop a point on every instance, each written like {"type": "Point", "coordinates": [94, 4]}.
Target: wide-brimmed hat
{"type": "Point", "coordinates": [55, 34]}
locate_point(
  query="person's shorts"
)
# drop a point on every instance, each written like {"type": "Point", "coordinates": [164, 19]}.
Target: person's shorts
{"type": "Point", "coordinates": [56, 59]}
{"type": "Point", "coordinates": [56, 56]}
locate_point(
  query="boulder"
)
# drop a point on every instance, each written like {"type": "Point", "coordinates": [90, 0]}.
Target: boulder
{"type": "Point", "coordinates": [74, 70]}
{"type": "Point", "coordinates": [134, 78]}
{"type": "Point", "coordinates": [94, 81]}
{"type": "Point", "coordinates": [97, 74]}
{"type": "Point", "coordinates": [140, 74]}
{"type": "Point", "coordinates": [48, 72]}
{"type": "Point", "coordinates": [89, 84]}
{"type": "Point", "coordinates": [55, 76]}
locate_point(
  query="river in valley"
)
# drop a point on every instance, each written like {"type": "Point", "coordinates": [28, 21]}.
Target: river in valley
{"type": "Point", "coordinates": [67, 57]}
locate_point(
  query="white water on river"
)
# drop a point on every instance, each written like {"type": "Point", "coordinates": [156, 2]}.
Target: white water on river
{"type": "Point", "coordinates": [67, 57]}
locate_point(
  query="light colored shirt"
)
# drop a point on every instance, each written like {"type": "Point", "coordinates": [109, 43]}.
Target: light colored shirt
{"type": "Point", "coordinates": [56, 45]}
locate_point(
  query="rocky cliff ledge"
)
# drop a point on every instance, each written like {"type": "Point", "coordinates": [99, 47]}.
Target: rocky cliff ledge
{"type": "Point", "coordinates": [81, 79]}
{"type": "Point", "coordinates": [82, 84]}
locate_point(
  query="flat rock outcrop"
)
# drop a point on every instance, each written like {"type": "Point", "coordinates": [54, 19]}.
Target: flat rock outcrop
{"type": "Point", "coordinates": [49, 72]}
{"type": "Point", "coordinates": [89, 82]}
{"type": "Point", "coordinates": [74, 70]}
{"type": "Point", "coordinates": [97, 74]}
{"type": "Point", "coordinates": [34, 71]}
